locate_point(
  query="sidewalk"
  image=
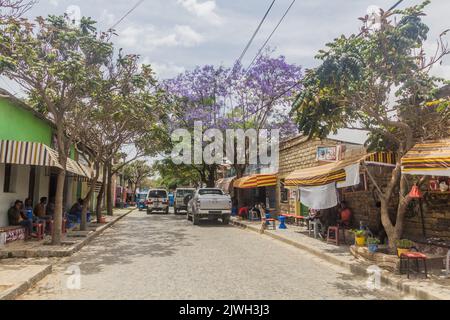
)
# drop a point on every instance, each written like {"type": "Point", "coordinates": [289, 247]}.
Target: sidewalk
{"type": "Point", "coordinates": [432, 289]}
{"type": "Point", "coordinates": [16, 279]}
{"type": "Point", "coordinates": [72, 242]}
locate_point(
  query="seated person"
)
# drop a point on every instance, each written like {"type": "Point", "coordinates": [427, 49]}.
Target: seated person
{"type": "Point", "coordinates": [76, 211]}
{"type": "Point", "coordinates": [345, 215]}
{"type": "Point", "coordinates": [28, 206]}
{"type": "Point", "coordinates": [256, 211]}
{"type": "Point", "coordinates": [313, 215]}
{"type": "Point", "coordinates": [243, 212]}
{"type": "Point", "coordinates": [40, 209]}
{"type": "Point", "coordinates": [16, 217]}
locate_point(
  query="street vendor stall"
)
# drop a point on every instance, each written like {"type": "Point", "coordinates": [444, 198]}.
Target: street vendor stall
{"type": "Point", "coordinates": [430, 160]}
{"type": "Point", "coordinates": [318, 185]}
{"type": "Point", "coordinates": [255, 189]}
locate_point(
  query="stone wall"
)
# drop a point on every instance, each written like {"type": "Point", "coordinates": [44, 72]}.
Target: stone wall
{"type": "Point", "coordinates": [364, 204]}
{"type": "Point", "coordinates": [436, 212]}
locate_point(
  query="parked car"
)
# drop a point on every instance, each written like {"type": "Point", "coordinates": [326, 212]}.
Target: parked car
{"type": "Point", "coordinates": [210, 203]}
{"type": "Point", "coordinates": [141, 200]}
{"type": "Point", "coordinates": [157, 201]}
{"type": "Point", "coordinates": [182, 199]}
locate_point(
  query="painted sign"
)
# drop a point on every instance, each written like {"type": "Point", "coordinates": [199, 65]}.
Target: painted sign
{"type": "Point", "coordinates": [329, 154]}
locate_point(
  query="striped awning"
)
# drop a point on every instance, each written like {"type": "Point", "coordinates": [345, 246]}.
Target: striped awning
{"type": "Point", "coordinates": [35, 154]}
{"type": "Point", "coordinates": [28, 153]}
{"type": "Point", "coordinates": [431, 158]}
{"type": "Point", "coordinates": [322, 175]}
{"type": "Point", "coordinates": [76, 168]}
{"type": "Point", "coordinates": [256, 181]}
{"type": "Point", "coordinates": [388, 159]}
{"type": "Point", "coordinates": [335, 172]}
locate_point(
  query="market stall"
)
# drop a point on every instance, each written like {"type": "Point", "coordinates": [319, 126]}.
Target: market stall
{"type": "Point", "coordinates": [318, 185]}
{"type": "Point", "coordinates": [255, 189]}
{"type": "Point", "coordinates": [430, 160]}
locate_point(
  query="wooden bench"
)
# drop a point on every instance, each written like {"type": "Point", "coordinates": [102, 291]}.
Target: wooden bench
{"type": "Point", "coordinates": [13, 233]}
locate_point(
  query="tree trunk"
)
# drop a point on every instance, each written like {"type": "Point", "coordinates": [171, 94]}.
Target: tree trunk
{"type": "Point", "coordinates": [109, 191]}
{"type": "Point", "coordinates": [87, 200]}
{"type": "Point", "coordinates": [59, 208]}
{"type": "Point", "coordinates": [100, 195]}
{"type": "Point", "coordinates": [394, 229]}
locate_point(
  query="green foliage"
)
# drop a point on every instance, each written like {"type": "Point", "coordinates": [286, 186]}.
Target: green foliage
{"type": "Point", "coordinates": [358, 75]}
{"type": "Point", "coordinates": [173, 176]}
{"type": "Point", "coordinates": [404, 244]}
{"type": "Point", "coordinates": [371, 240]}
{"type": "Point", "coordinates": [358, 233]}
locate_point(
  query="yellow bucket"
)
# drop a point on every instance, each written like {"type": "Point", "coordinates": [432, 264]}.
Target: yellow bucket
{"type": "Point", "coordinates": [360, 241]}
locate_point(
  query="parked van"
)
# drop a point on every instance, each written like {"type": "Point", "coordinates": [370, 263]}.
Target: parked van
{"type": "Point", "coordinates": [157, 201]}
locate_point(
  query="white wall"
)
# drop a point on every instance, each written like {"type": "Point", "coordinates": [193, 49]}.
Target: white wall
{"type": "Point", "coordinates": [20, 178]}
{"type": "Point", "coordinates": [20, 182]}
{"type": "Point", "coordinates": [42, 184]}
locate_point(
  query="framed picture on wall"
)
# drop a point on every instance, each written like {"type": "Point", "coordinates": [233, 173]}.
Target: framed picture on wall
{"type": "Point", "coordinates": [329, 154]}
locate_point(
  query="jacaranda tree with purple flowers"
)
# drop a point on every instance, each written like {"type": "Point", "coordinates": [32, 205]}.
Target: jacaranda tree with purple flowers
{"type": "Point", "coordinates": [222, 98]}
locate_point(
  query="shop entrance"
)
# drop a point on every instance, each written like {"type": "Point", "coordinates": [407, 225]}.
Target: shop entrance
{"type": "Point", "coordinates": [52, 185]}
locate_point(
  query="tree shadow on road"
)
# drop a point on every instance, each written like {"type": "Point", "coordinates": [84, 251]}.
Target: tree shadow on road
{"type": "Point", "coordinates": [135, 237]}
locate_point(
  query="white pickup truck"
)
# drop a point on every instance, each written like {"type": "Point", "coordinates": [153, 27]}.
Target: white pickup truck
{"type": "Point", "coordinates": [210, 203]}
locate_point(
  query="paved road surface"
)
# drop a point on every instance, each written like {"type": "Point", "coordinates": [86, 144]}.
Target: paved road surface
{"type": "Point", "coordinates": [166, 257]}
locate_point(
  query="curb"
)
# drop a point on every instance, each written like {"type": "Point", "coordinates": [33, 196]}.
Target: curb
{"type": "Point", "coordinates": [386, 277]}
{"type": "Point", "coordinates": [59, 253]}
{"type": "Point", "coordinates": [22, 287]}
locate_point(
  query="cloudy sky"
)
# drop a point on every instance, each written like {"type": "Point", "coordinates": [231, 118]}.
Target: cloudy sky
{"type": "Point", "coordinates": [176, 35]}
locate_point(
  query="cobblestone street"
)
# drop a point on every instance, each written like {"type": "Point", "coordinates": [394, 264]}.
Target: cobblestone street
{"type": "Point", "coordinates": [166, 257]}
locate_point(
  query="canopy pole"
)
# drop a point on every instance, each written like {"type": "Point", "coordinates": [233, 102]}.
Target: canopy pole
{"type": "Point", "coordinates": [373, 179]}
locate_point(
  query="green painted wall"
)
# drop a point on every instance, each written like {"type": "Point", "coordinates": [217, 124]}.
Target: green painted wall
{"type": "Point", "coordinates": [18, 124]}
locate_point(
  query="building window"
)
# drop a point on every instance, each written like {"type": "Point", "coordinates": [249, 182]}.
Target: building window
{"type": "Point", "coordinates": [284, 193]}
{"type": "Point", "coordinates": [8, 182]}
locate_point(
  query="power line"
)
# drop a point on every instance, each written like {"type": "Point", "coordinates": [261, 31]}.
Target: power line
{"type": "Point", "coordinates": [255, 33]}
{"type": "Point", "coordinates": [126, 14]}
{"type": "Point", "coordinates": [395, 5]}
{"type": "Point", "coordinates": [271, 34]}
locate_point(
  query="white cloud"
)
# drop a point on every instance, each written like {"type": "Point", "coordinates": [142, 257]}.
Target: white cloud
{"type": "Point", "coordinates": [186, 36]}
{"type": "Point", "coordinates": [107, 18]}
{"type": "Point", "coordinates": [54, 2]}
{"type": "Point", "coordinates": [165, 70]}
{"type": "Point", "coordinates": [205, 10]}
{"type": "Point", "coordinates": [150, 38]}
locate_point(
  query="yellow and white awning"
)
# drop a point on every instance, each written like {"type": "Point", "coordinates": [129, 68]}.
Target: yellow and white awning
{"type": "Point", "coordinates": [335, 172]}
{"type": "Point", "coordinates": [35, 154]}
{"type": "Point", "coordinates": [256, 181]}
{"type": "Point", "coordinates": [431, 158]}
{"type": "Point", "coordinates": [28, 153]}
{"type": "Point", "coordinates": [76, 168]}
